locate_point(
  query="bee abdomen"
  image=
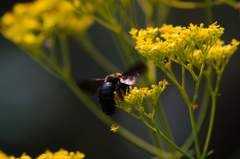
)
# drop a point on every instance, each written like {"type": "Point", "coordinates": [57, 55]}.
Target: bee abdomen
{"type": "Point", "coordinates": [106, 98]}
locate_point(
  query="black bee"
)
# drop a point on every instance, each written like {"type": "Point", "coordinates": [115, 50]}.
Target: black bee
{"type": "Point", "coordinates": [114, 82]}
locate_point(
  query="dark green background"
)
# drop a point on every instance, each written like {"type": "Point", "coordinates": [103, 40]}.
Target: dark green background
{"type": "Point", "coordinates": [39, 112]}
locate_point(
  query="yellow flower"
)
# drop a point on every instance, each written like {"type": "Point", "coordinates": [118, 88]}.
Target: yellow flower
{"type": "Point", "coordinates": [235, 42]}
{"type": "Point", "coordinates": [192, 27]}
{"type": "Point", "coordinates": [61, 154]}
{"type": "Point", "coordinates": [29, 38]}
{"type": "Point", "coordinates": [3, 155]}
{"type": "Point", "coordinates": [133, 32]}
{"type": "Point", "coordinates": [25, 156]}
{"type": "Point", "coordinates": [8, 18]}
{"type": "Point", "coordinates": [20, 8]}
{"type": "Point", "coordinates": [113, 128]}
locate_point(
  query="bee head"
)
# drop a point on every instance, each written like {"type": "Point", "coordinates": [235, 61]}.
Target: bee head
{"type": "Point", "coordinates": [112, 77]}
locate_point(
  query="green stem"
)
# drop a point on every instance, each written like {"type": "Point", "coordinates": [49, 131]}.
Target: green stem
{"type": "Point", "coordinates": [152, 72]}
{"type": "Point", "coordinates": [208, 11]}
{"type": "Point", "coordinates": [194, 126]}
{"type": "Point", "coordinates": [52, 63]}
{"type": "Point", "coordinates": [198, 83]}
{"type": "Point", "coordinates": [65, 54]}
{"type": "Point", "coordinates": [155, 129]}
{"type": "Point", "coordinates": [195, 132]}
{"type": "Point", "coordinates": [163, 11]}
{"type": "Point", "coordinates": [209, 81]}
{"type": "Point", "coordinates": [154, 136]}
{"type": "Point", "coordinates": [128, 46]}
{"type": "Point", "coordinates": [133, 13]}
{"type": "Point", "coordinates": [189, 69]}
{"type": "Point", "coordinates": [97, 56]}
{"type": "Point", "coordinates": [214, 96]}
{"type": "Point", "coordinates": [53, 50]}
{"type": "Point", "coordinates": [186, 5]}
{"type": "Point", "coordinates": [201, 117]}
{"type": "Point", "coordinates": [214, 99]}
{"type": "Point", "coordinates": [45, 62]}
{"type": "Point", "coordinates": [122, 50]}
{"type": "Point", "coordinates": [169, 68]}
{"type": "Point", "coordinates": [182, 91]}
{"type": "Point", "coordinates": [105, 24]}
{"type": "Point", "coordinates": [209, 153]}
{"type": "Point", "coordinates": [123, 15]}
{"type": "Point", "coordinates": [229, 2]}
{"type": "Point", "coordinates": [192, 116]}
{"type": "Point", "coordinates": [183, 77]}
{"type": "Point", "coordinates": [165, 126]}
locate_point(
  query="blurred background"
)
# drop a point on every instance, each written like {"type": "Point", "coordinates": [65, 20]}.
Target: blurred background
{"type": "Point", "coordinates": [39, 111]}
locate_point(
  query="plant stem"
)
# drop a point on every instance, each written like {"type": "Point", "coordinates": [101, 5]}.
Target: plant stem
{"type": "Point", "coordinates": [105, 24]}
{"type": "Point", "coordinates": [154, 136]}
{"type": "Point", "coordinates": [53, 50]}
{"type": "Point", "coordinates": [169, 141]}
{"type": "Point", "coordinates": [214, 96]}
{"type": "Point", "coordinates": [183, 77]}
{"type": "Point", "coordinates": [187, 5]}
{"type": "Point", "coordinates": [201, 118]}
{"type": "Point", "coordinates": [128, 46]}
{"type": "Point", "coordinates": [208, 11]}
{"type": "Point", "coordinates": [133, 13]}
{"type": "Point", "coordinates": [122, 50]}
{"type": "Point", "coordinates": [65, 54]}
{"type": "Point", "coordinates": [151, 72]}
{"type": "Point", "coordinates": [165, 126]}
{"type": "Point", "coordinates": [44, 61]}
{"type": "Point", "coordinates": [214, 100]}
{"type": "Point", "coordinates": [195, 132]}
{"type": "Point", "coordinates": [191, 110]}
{"type": "Point", "coordinates": [156, 130]}
{"type": "Point", "coordinates": [198, 82]}
{"type": "Point", "coordinates": [97, 56]}
{"type": "Point", "coordinates": [209, 81]}
{"type": "Point", "coordinates": [123, 15]}
{"type": "Point", "coordinates": [229, 2]}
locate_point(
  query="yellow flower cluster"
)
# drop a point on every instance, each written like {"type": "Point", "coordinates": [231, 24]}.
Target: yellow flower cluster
{"type": "Point", "coordinates": [61, 154]}
{"type": "Point", "coordinates": [217, 55]}
{"type": "Point", "coordinates": [181, 44]}
{"type": "Point", "coordinates": [135, 98]}
{"type": "Point", "coordinates": [30, 23]}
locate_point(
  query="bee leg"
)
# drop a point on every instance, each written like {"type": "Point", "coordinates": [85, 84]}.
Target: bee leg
{"type": "Point", "coordinates": [128, 89]}
{"type": "Point", "coordinates": [118, 90]}
{"type": "Point", "coordinates": [124, 88]}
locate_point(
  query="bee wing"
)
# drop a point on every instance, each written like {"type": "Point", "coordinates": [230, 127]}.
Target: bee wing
{"type": "Point", "coordinates": [133, 74]}
{"type": "Point", "coordinates": [90, 85]}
